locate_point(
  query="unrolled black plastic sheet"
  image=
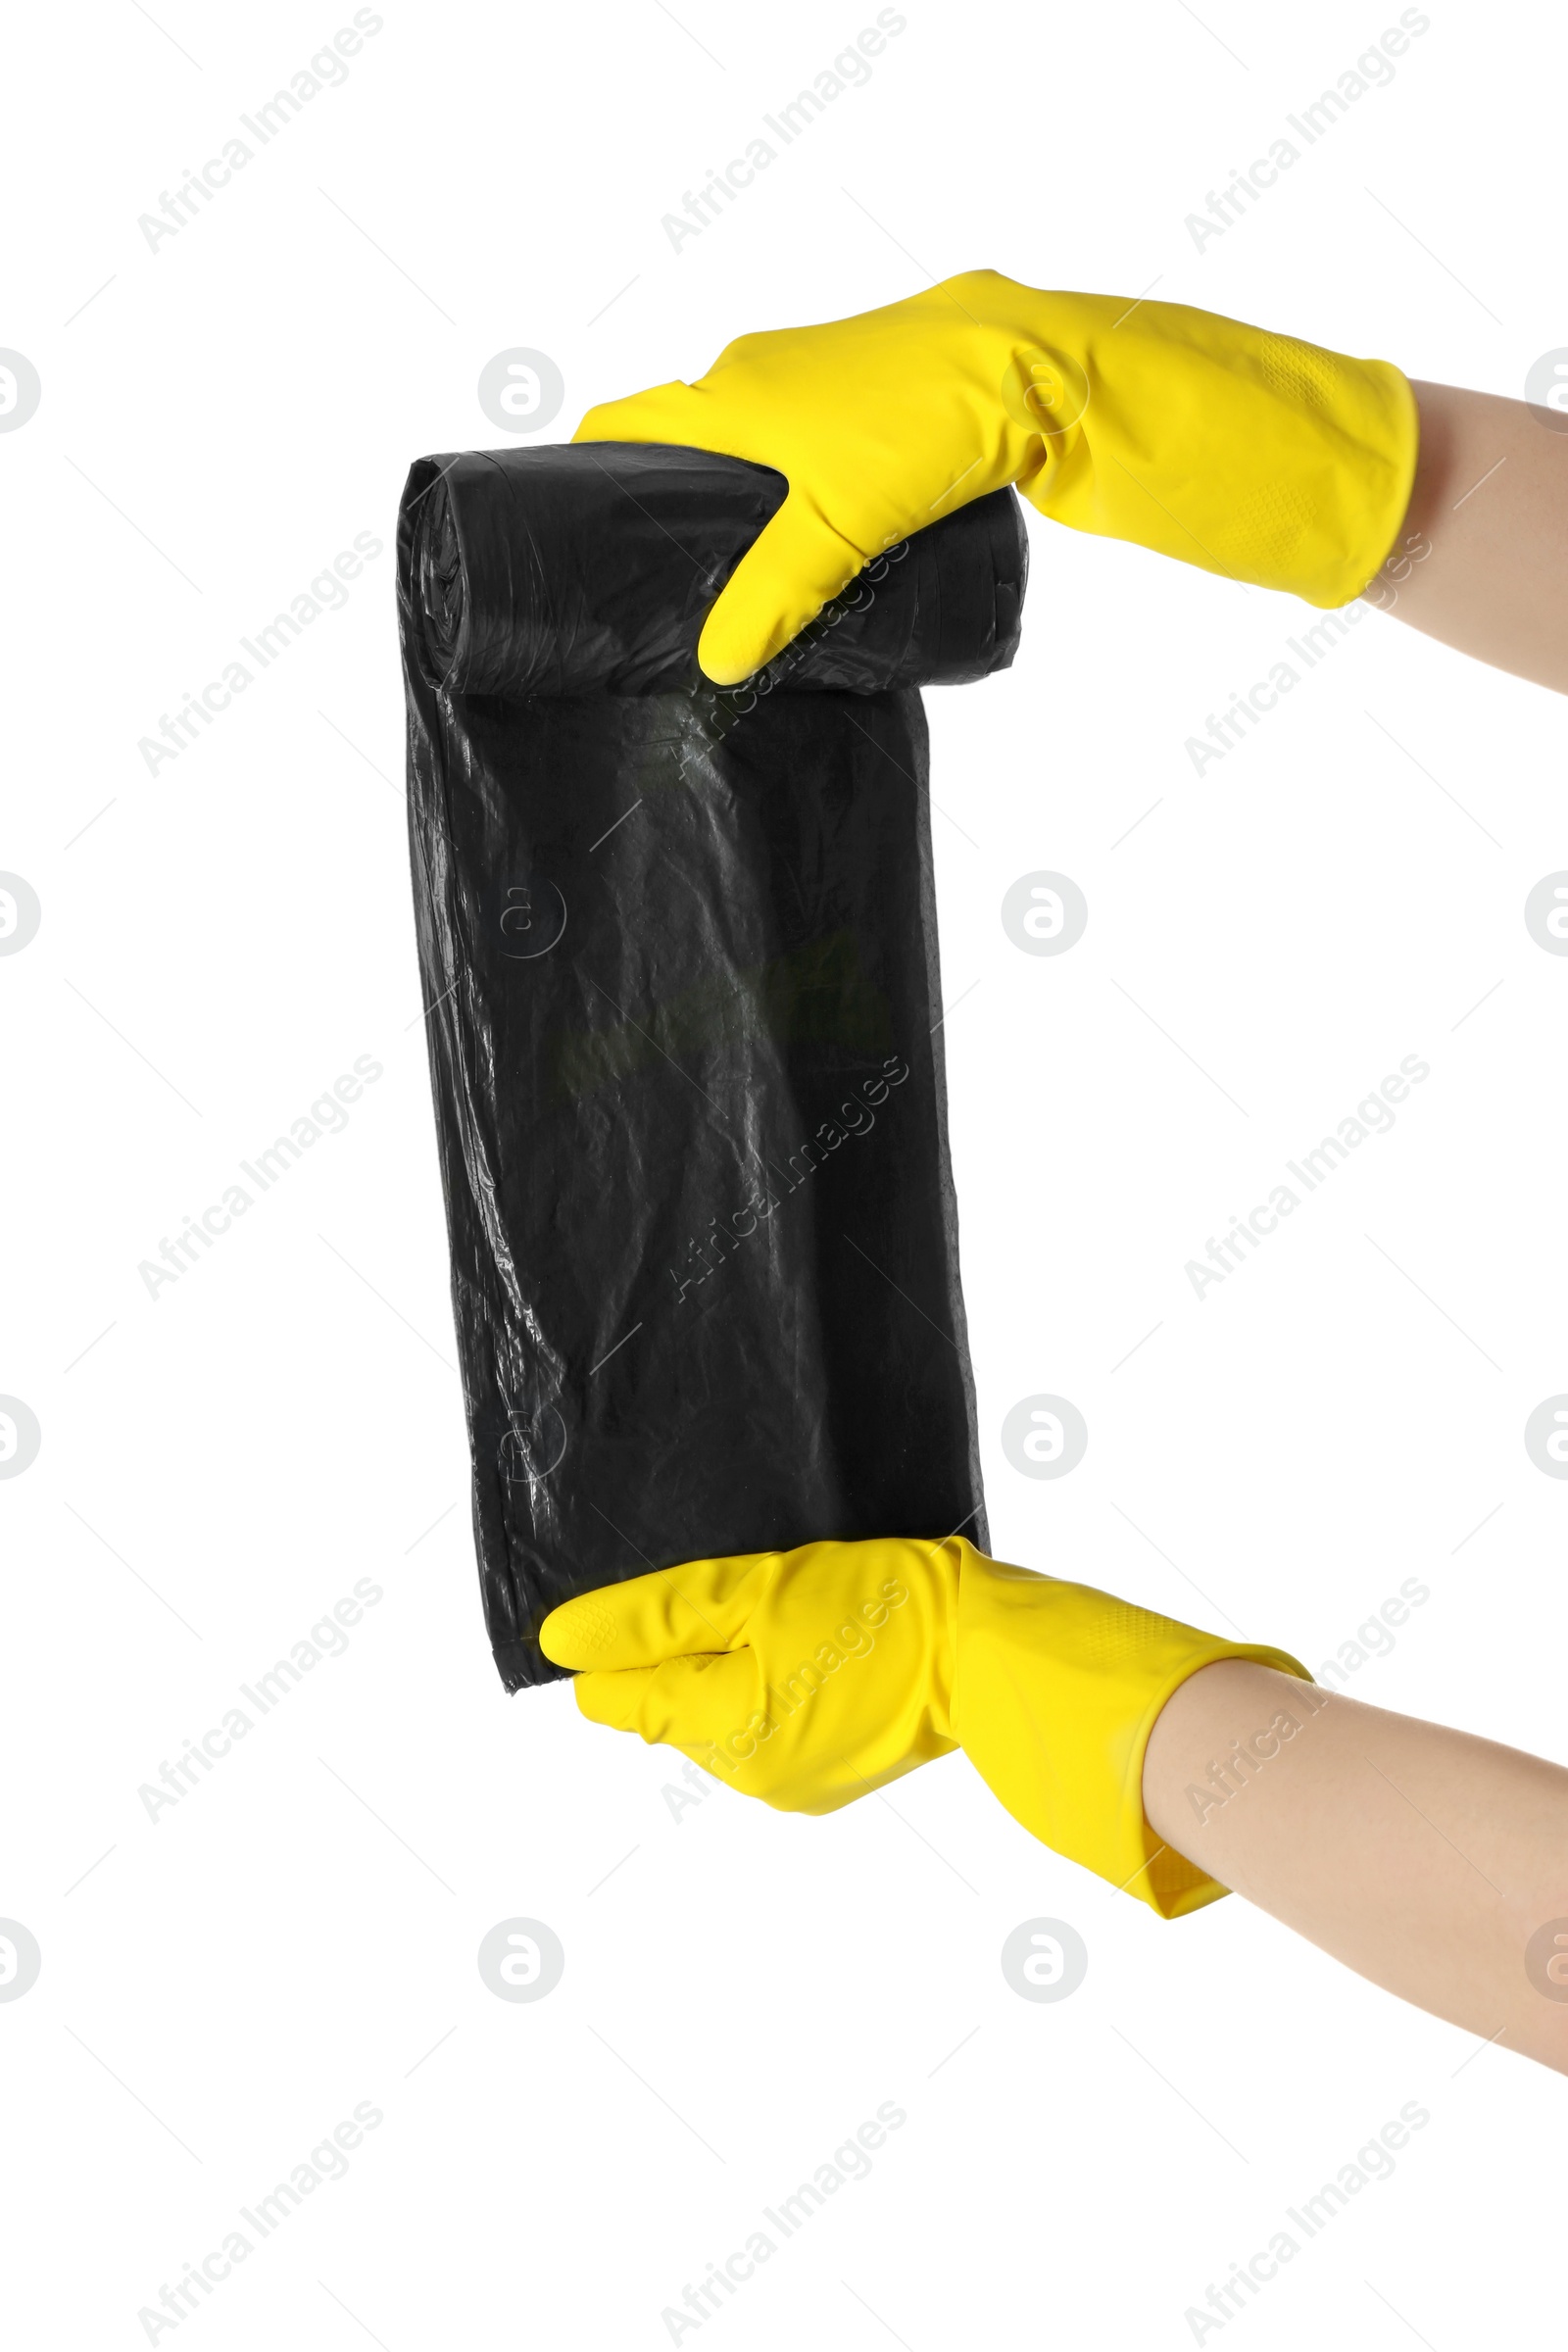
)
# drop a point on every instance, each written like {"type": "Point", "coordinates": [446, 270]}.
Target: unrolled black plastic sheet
{"type": "Point", "coordinates": [678, 948]}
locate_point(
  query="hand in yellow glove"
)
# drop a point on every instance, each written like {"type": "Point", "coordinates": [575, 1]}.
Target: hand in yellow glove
{"type": "Point", "coordinates": [809, 1678]}
{"type": "Point", "coordinates": [1242, 451]}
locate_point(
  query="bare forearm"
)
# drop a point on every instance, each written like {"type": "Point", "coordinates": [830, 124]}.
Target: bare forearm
{"type": "Point", "coordinates": [1421, 1857]}
{"type": "Point", "coordinates": [1482, 561]}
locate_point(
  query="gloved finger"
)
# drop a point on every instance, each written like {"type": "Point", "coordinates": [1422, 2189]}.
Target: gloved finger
{"type": "Point", "coordinates": [788, 574]}
{"type": "Point", "coordinates": [694, 1703]}
{"type": "Point", "coordinates": [719, 1712]}
{"type": "Point", "coordinates": [614, 1700]}
{"type": "Point", "coordinates": [669, 1613]}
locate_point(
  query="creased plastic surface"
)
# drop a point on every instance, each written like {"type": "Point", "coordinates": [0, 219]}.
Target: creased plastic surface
{"type": "Point", "coordinates": [679, 951]}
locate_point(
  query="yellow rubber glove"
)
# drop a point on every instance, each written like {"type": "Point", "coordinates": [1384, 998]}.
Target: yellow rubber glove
{"type": "Point", "coordinates": [809, 1678]}
{"type": "Point", "coordinates": [1243, 451]}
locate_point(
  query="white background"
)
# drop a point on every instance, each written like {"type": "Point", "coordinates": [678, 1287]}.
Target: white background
{"type": "Point", "coordinates": [221, 1464]}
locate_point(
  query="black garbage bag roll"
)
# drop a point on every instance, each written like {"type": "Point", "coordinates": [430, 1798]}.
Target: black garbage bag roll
{"type": "Point", "coordinates": [679, 952]}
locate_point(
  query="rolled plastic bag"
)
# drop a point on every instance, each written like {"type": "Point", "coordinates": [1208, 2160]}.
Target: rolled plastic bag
{"type": "Point", "coordinates": [678, 951]}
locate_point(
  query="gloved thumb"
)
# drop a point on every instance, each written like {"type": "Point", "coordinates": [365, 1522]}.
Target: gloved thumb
{"type": "Point", "coordinates": [793, 566]}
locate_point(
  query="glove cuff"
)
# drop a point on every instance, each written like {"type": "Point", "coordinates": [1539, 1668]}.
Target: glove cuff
{"type": "Point", "coordinates": [1238, 451]}
{"type": "Point", "coordinates": [1057, 1690]}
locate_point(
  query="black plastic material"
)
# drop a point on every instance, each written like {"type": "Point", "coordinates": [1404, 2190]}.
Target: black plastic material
{"type": "Point", "coordinates": [679, 947]}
